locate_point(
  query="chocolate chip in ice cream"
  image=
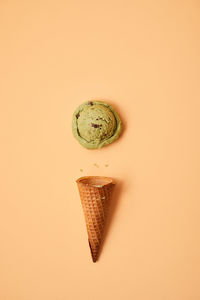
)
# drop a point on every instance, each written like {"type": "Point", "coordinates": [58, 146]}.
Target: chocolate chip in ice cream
{"type": "Point", "coordinates": [95, 125]}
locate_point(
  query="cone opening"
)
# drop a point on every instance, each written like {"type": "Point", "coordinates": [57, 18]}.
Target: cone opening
{"type": "Point", "coordinates": [95, 181]}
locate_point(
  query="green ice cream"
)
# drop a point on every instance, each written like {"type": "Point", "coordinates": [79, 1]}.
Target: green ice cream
{"type": "Point", "coordinates": [96, 124]}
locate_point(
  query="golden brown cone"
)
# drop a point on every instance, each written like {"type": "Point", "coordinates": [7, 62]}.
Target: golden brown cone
{"type": "Point", "coordinates": [95, 193]}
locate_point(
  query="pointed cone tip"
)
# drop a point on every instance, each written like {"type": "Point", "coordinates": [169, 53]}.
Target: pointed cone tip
{"type": "Point", "coordinates": [94, 257]}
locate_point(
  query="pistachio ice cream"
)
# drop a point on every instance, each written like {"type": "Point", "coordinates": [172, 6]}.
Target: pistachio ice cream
{"type": "Point", "coordinates": [96, 124]}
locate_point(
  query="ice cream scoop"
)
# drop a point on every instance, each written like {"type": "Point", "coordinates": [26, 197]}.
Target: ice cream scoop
{"type": "Point", "coordinates": [96, 124]}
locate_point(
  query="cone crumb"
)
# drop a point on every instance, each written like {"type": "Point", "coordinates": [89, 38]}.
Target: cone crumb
{"type": "Point", "coordinates": [81, 170]}
{"type": "Point", "coordinates": [106, 165]}
{"type": "Point", "coordinates": [96, 165]}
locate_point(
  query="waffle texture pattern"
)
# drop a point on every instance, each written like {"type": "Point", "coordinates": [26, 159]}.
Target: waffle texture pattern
{"type": "Point", "coordinates": [95, 202]}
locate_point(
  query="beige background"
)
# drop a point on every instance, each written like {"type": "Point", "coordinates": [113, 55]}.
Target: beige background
{"type": "Point", "coordinates": [143, 57]}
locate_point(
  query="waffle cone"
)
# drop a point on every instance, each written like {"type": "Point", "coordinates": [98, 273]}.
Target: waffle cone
{"type": "Point", "coordinates": [95, 193]}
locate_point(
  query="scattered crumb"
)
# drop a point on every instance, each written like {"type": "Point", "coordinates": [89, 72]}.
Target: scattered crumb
{"type": "Point", "coordinates": [81, 170]}
{"type": "Point", "coordinates": [106, 165]}
{"type": "Point", "coordinates": [96, 165]}
{"type": "Point", "coordinates": [103, 197]}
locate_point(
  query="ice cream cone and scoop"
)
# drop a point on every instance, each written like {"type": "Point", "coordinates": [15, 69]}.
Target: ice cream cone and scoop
{"type": "Point", "coordinates": [95, 124]}
{"type": "Point", "coordinates": [95, 193]}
